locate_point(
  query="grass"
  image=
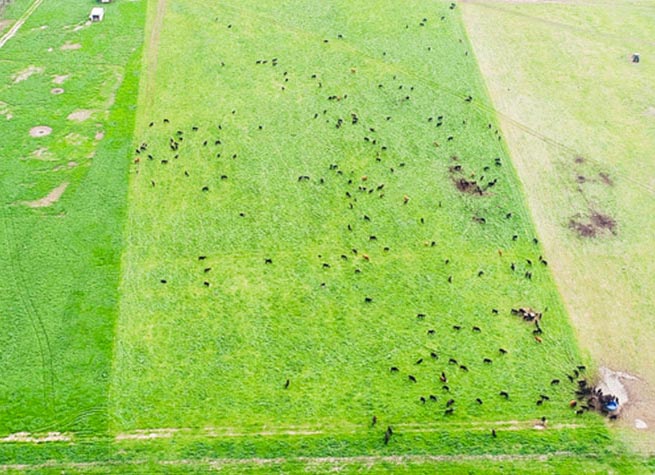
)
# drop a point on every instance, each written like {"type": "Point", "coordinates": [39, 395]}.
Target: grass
{"type": "Point", "coordinates": [580, 96]}
{"type": "Point", "coordinates": [97, 346]}
{"type": "Point", "coordinates": [60, 264]}
{"type": "Point", "coordinates": [190, 355]}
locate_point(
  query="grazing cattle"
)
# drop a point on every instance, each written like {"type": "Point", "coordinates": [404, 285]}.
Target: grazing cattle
{"type": "Point", "coordinates": [477, 329]}
{"type": "Point", "coordinates": [463, 368]}
{"type": "Point", "coordinates": [480, 273]}
{"type": "Point", "coordinates": [206, 284]}
{"type": "Point", "coordinates": [286, 384]}
{"type": "Point", "coordinates": [374, 421]}
{"type": "Point", "coordinates": [457, 327]}
{"type": "Point", "coordinates": [502, 351]}
{"type": "Point", "coordinates": [434, 355]}
{"type": "Point", "coordinates": [448, 411]}
{"type": "Point", "coordinates": [326, 265]}
{"type": "Point", "coordinates": [368, 299]}
{"type": "Point", "coordinates": [207, 269]}
{"type": "Point", "coordinates": [446, 388]}
{"type": "Point", "coordinates": [268, 260]}
{"type": "Point", "coordinates": [512, 266]}
{"type": "Point", "coordinates": [493, 433]}
{"type": "Point", "coordinates": [538, 339]}
{"type": "Point", "coordinates": [151, 124]}
{"type": "Point", "coordinates": [202, 258]}
{"type": "Point", "coordinates": [452, 361]}
{"type": "Point", "coordinates": [163, 281]}
{"type": "Point", "coordinates": [420, 316]}
{"type": "Point", "coordinates": [433, 398]}
{"type": "Point", "coordinates": [419, 361]}
{"type": "Point", "coordinates": [422, 399]}
{"type": "Point", "coordinates": [450, 402]}
{"type": "Point", "coordinates": [393, 369]}
{"type": "Point", "coordinates": [205, 188]}
{"type": "Point", "coordinates": [431, 332]}
{"type": "Point", "coordinates": [443, 377]}
{"type": "Point", "coordinates": [478, 400]}
{"type": "Point", "coordinates": [411, 378]}
{"type": "Point", "coordinates": [487, 361]}
{"type": "Point", "coordinates": [504, 394]}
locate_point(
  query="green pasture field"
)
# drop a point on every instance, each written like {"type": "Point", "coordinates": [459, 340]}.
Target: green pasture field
{"type": "Point", "coordinates": [154, 314]}
{"type": "Point", "coordinates": [212, 342]}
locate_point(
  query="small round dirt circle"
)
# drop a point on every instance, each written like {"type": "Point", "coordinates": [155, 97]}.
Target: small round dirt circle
{"type": "Point", "coordinates": [40, 131]}
{"type": "Point", "coordinates": [56, 91]}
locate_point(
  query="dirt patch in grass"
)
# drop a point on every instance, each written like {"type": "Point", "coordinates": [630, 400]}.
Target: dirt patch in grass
{"type": "Point", "coordinates": [147, 434]}
{"type": "Point", "coordinates": [80, 115]}
{"type": "Point", "coordinates": [60, 79]}
{"type": "Point", "coordinates": [70, 46]}
{"type": "Point", "coordinates": [650, 111]}
{"type": "Point", "coordinates": [50, 199]}
{"type": "Point", "coordinates": [466, 185]}
{"type": "Point", "coordinates": [56, 91]}
{"type": "Point", "coordinates": [605, 178]}
{"type": "Point", "coordinates": [593, 225]}
{"type": "Point", "coordinates": [26, 73]}
{"type": "Point", "coordinates": [100, 135]}
{"type": "Point", "coordinates": [40, 131]}
{"type": "Point", "coordinates": [36, 439]}
{"type": "Point", "coordinates": [4, 24]}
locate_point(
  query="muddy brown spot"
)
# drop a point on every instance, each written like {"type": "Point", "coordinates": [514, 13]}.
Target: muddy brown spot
{"type": "Point", "coordinates": [56, 91]}
{"type": "Point", "coordinates": [593, 225]}
{"type": "Point", "coordinates": [579, 159]}
{"type": "Point", "coordinates": [580, 179]}
{"type": "Point", "coordinates": [605, 178]}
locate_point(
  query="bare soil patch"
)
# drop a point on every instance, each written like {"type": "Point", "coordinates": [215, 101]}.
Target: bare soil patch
{"type": "Point", "coordinates": [26, 73]}
{"type": "Point", "coordinates": [593, 225]}
{"type": "Point", "coordinates": [60, 79]}
{"type": "Point", "coordinates": [464, 184]}
{"type": "Point", "coordinates": [650, 111]}
{"type": "Point", "coordinates": [36, 439]}
{"type": "Point", "coordinates": [147, 434]}
{"type": "Point", "coordinates": [4, 24]}
{"type": "Point", "coordinates": [80, 115]}
{"type": "Point", "coordinates": [70, 46]}
{"type": "Point", "coordinates": [100, 135]}
{"type": "Point", "coordinates": [40, 131]}
{"type": "Point", "coordinates": [605, 178]}
{"type": "Point", "coordinates": [56, 91]}
{"type": "Point", "coordinates": [50, 199]}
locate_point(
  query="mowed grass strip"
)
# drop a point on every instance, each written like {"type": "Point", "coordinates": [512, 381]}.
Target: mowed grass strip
{"type": "Point", "coordinates": [59, 261]}
{"type": "Point", "coordinates": [294, 212]}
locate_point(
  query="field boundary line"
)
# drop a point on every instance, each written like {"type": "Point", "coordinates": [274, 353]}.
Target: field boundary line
{"type": "Point", "coordinates": [217, 463]}
{"type": "Point", "coordinates": [16, 26]}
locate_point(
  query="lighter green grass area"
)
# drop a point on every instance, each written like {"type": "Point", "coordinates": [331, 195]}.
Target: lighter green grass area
{"type": "Point", "coordinates": [562, 79]}
{"type": "Point", "coordinates": [191, 355]}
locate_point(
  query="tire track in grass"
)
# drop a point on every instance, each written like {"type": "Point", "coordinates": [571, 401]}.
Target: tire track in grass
{"type": "Point", "coordinates": [219, 463]}
{"type": "Point", "coordinates": [20, 286]}
{"type": "Point", "coordinates": [153, 52]}
{"type": "Point", "coordinates": [24, 17]}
